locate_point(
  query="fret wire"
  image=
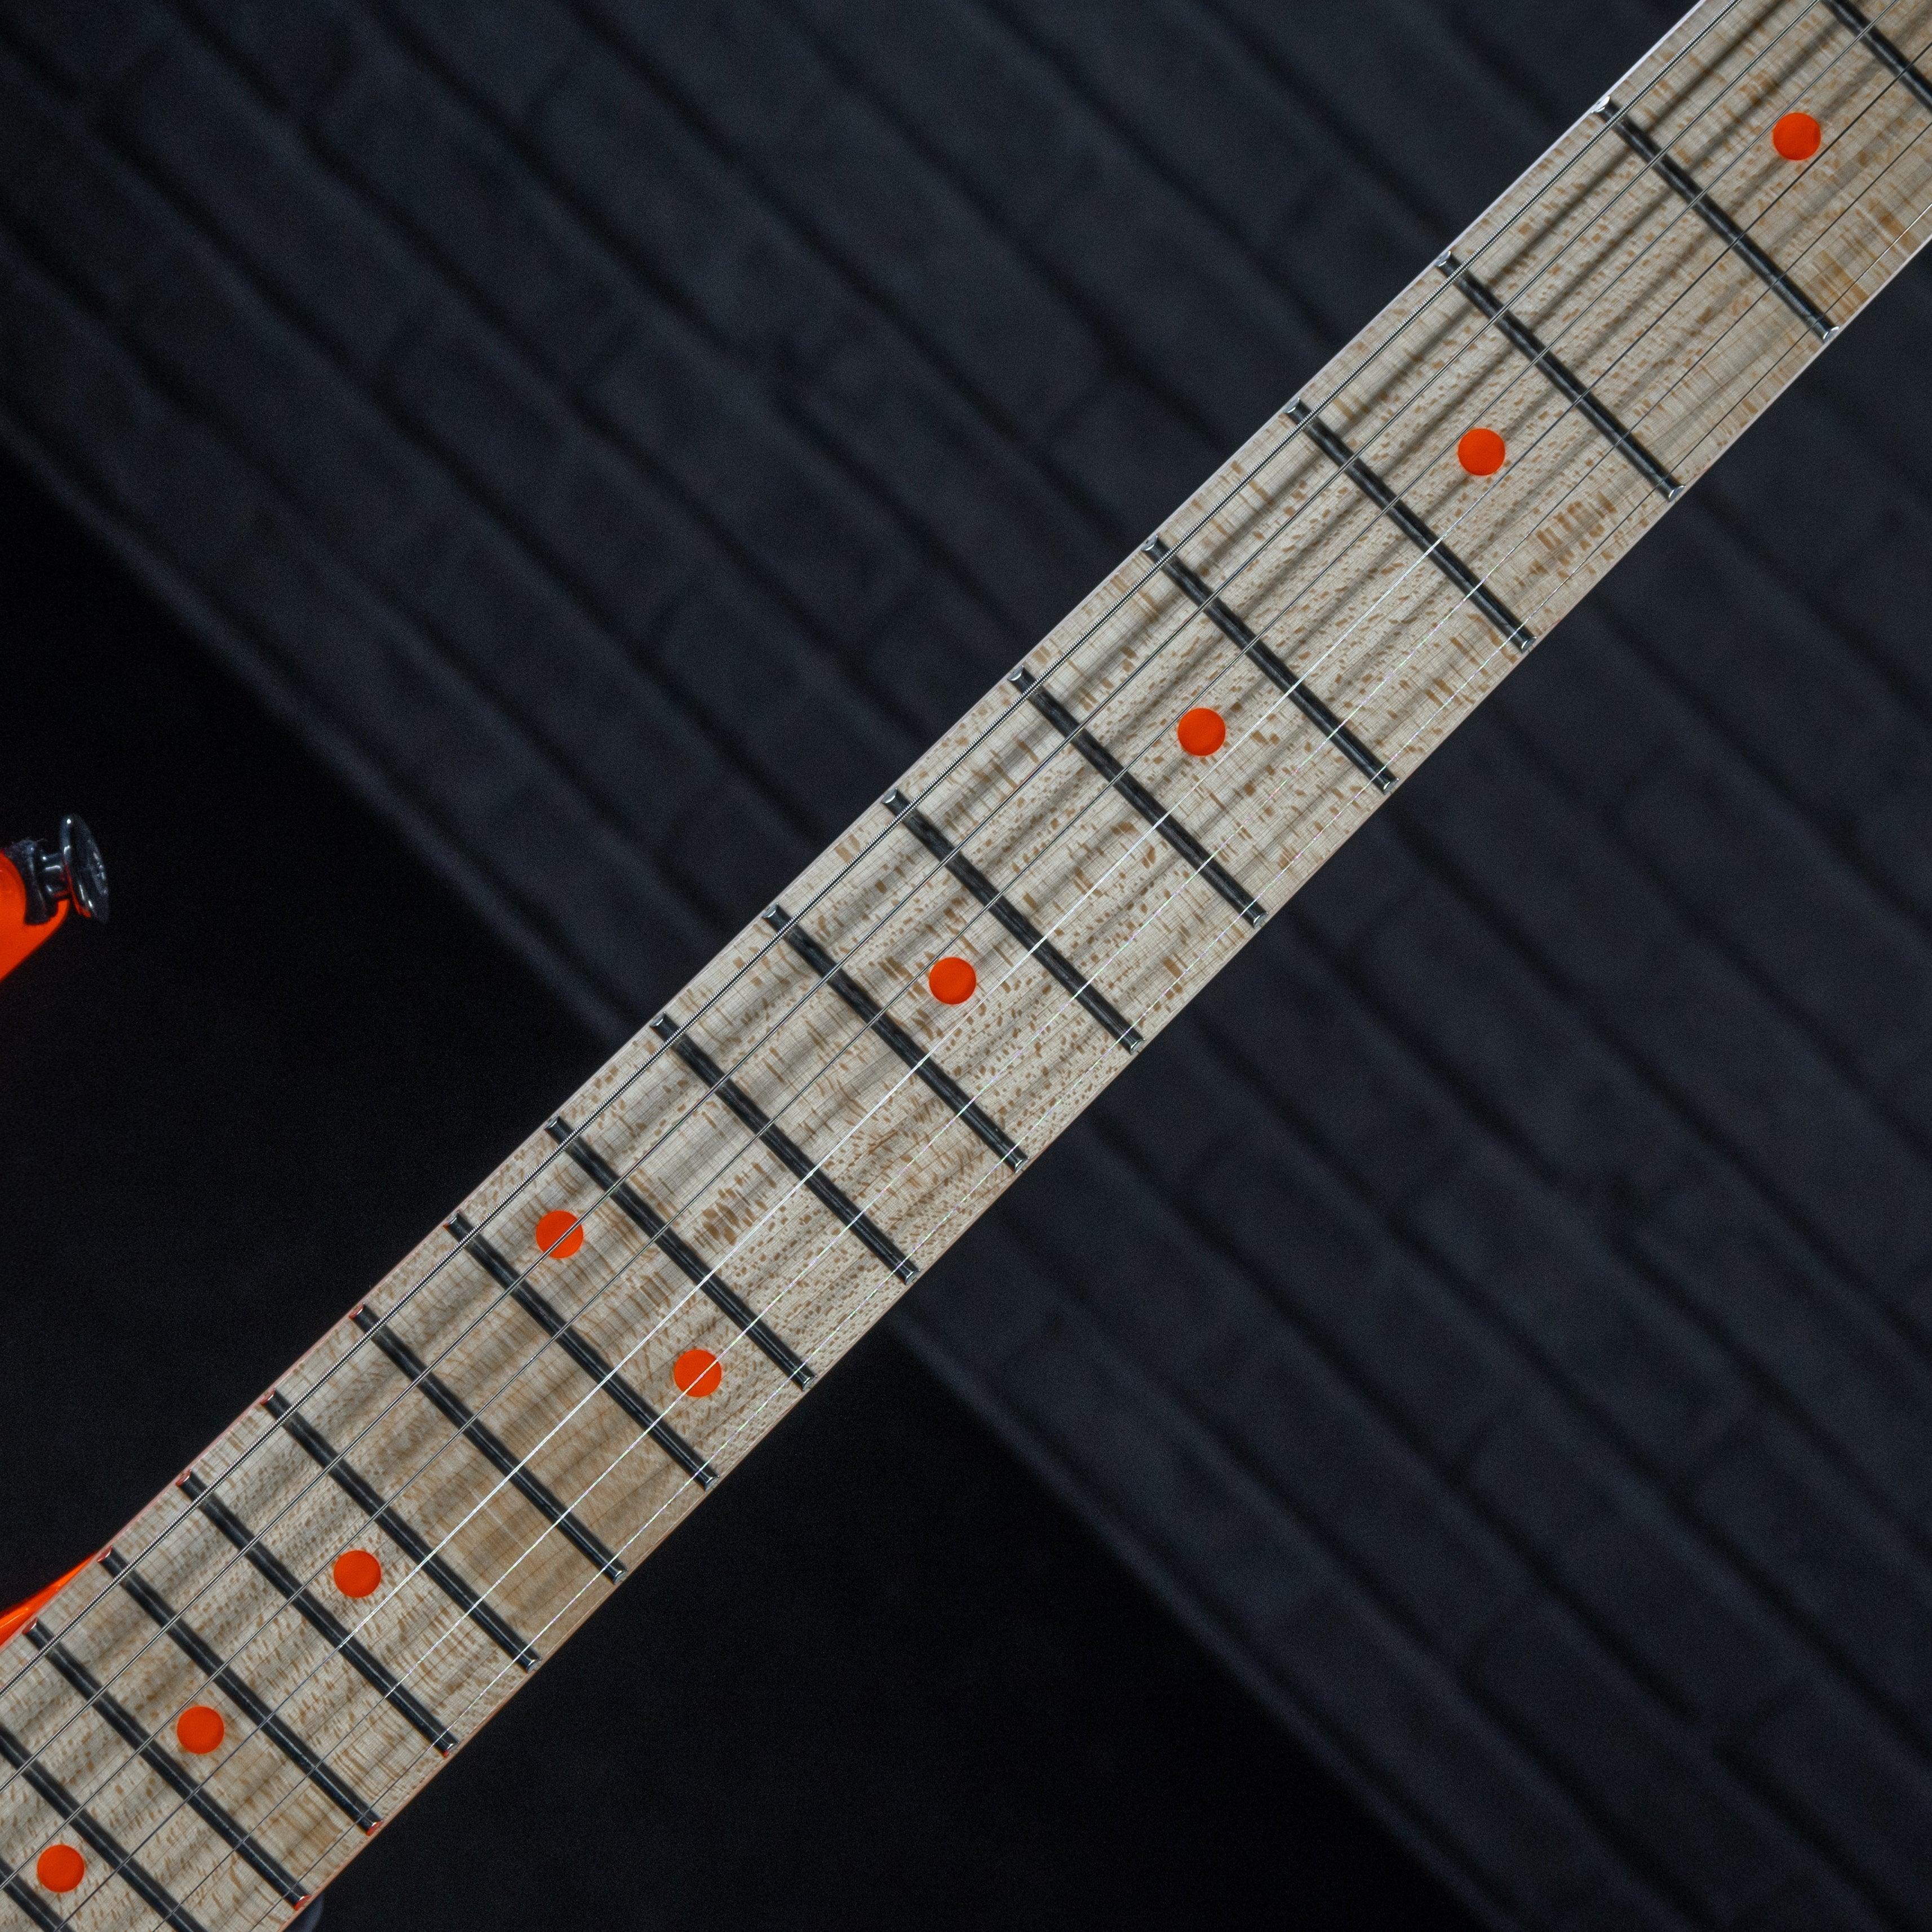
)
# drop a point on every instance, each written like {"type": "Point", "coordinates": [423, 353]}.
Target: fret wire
{"type": "Point", "coordinates": [857, 1316]}
{"type": "Point", "coordinates": [151, 1753]}
{"type": "Point", "coordinates": [28, 1900]}
{"type": "Point", "coordinates": [1712, 109]}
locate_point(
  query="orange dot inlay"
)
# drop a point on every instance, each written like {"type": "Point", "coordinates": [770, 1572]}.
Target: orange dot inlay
{"type": "Point", "coordinates": [1201, 732]}
{"type": "Point", "coordinates": [952, 981]}
{"type": "Point", "coordinates": [61, 1868]}
{"type": "Point", "coordinates": [1796, 137]}
{"type": "Point", "coordinates": [358, 1573]}
{"type": "Point", "coordinates": [698, 1372]}
{"type": "Point", "coordinates": [1481, 452]}
{"type": "Point", "coordinates": [560, 1235]}
{"type": "Point", "coordinates": [199, 1730]}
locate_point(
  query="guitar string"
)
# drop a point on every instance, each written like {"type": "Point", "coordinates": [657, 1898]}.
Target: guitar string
{"type": "Point", "coordinates": [1229, 926]}
{"type": "Point", "coordinates": [857, 1316]}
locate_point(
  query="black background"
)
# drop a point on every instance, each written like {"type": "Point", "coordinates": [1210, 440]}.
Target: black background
{"type": "Point", "coordinates": [880, 1678]}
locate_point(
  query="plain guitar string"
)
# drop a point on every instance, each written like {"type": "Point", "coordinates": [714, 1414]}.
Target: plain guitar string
{"type": "Point", "coordinates": [858, 1314]}
{"type": "Point", "coordinates": [855, 1316]}
{"type": "Point", "coordinates": [627, 1359]}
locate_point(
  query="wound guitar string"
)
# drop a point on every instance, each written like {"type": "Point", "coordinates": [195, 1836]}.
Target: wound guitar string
{"type": "Point", "coordinates": [1191, 613]}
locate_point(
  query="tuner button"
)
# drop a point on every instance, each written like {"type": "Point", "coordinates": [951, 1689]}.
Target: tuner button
{"type": "Point", "coordinates": [85, 873]}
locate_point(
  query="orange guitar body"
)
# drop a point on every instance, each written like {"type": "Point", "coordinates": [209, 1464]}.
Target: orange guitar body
{"type": "Point", "coordinates": [17, 938]}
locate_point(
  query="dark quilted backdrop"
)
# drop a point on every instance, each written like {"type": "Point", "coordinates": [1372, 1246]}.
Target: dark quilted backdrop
{"type": "Point", "coordinates": [1498, 1320]}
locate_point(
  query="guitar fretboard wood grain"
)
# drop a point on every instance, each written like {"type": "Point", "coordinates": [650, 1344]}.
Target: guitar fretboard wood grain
{"type": "Point", "coordinates": [1618, 316]}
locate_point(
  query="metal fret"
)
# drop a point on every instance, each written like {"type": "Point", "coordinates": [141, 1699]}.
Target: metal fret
{"type": "Point", "coordinates": [1089, 997]}
{"type": "Point", "coordinates": [1516, 633]}
{"type": "Point", "coordinates": [1205, 865]}
{"type": "Point", "coordinates": [592, 1361]}
{"type": "Point", "coordinates": [690, 1263]}
{"type": "Point", "coordinates": [877, 1020]}
{"type": "Point", "coordinates": [1295, 561]}
{"type": "Point", "coordinates": [495, 1450]}
{"type": "Point", "coordinates": [400, 1530]}
{"type": "Point", "coordinates": [1684, 183]}
{"type": "Point", "coordinates": [119, 1860]}
{"type": "Point", "coordinates": [818, 1183]}
{"type": "Point", "coordinates": [29, 1901]}
{"type": "Point", "coordinates": [1212, 606]}
{"type": "Point", "coordinates": [353, 1651]}
{"type": "Point", "coordinates": [132, 1733]}
{"type": "Point", "coordinates": [240, 1693]}
{"type": "Point", "coordinates": [1562, 378]}
{"type": "Point", "coordinates": [1884, 50]}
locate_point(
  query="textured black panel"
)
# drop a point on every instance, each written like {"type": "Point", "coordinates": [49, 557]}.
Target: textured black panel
{"type": "Point", "coordinates": [1500, 1322]}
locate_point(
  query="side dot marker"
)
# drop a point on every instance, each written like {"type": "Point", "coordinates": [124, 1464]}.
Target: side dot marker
{"type": "Point", "coordinates": [560, 1235]}
{"type": "Point", "coordinates": [358, 1573]}
{"type": "Point", "coordinates": [1796, 137]}
{"type": "Point", "coordinates": [61, 1868]}
{"type": "Point", "coordinates": [952, 981]}
{"type": "Point", "coordinates": [698, 1373]}
{"type": "Point", "coordinates": [1481, 452]}
{"type": "Point", "coordinates": [199, 1730]}
{"type": "Point", "coordinates": [1201, 732]}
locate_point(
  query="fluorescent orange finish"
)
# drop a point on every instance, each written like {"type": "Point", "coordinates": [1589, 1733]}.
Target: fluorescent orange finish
{"type": "Point", "coordinates": [952, 980]}
{"type": "Point", "coordinates": [1796, 137]}
{"type": "Point", "coordinates": [1201, 732]}
{"type": "Point", "coordinates": [61, 1868]}
{"type": "Point", "coordinates": [358, 1573]}
{"type": "Point", "coordinates": [17, 1620]}
{"type": "Point", "coordinates": [199, 1730]}
{"type": "Point", "coordinates": [17, 938]}
{"type": "Point", "coordinates": [698, 1372]}
{"type": "Point", "coordinates": [558, 1234]}
{"type": "Point", "coordinates": [1481, 452]}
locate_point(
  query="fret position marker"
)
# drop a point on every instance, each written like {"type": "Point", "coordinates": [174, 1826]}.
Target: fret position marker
{"type": "Point", "coordinates": [592, 1359]}
{"type": "Point", "coordinates": [207, 1659]}
{"type": "Point", "coordinates": [698, 1373]}
{"type": "Point", "coordinates": [1295, 688]}
{"type": "Point", "coordinates": [128, 1729]}
{"type": "Point", "coordinates": [952, 981]}
{"type": "Point", "coordinates": [1516, 633]}
{"type": "Point", "coordinates": [1565, 380]}
{"type": "Point", "coordinates": [358, 1574]}
{"type": "Point", "coordinates": [1481, 452]}
{"type": "Point", "coordinates": [353, 1651]}
{"type": "Point", "coordinates": [105, 1846]}
{"type": "Point", "coordinates": [1205, 865]}
{"type": "Point", "coordinates": [688, 1261]}
{"type": "Point", "coordinates": [1058, 968]}
{"type": "Point", "coordinates": [1201, 732]}
{"type": "Point", "coordinates": [560, 1235]}
{"type": "Point", "coordinates": [928, 1070]}
{"type": "Point", "coordinates": [61, 1868]}
{"type": "Point", "coordinates": [200, 1730]}
{"type": "Point", "coordinates": [1682, 182]}
{"type": "Point", "coordinates": [1796, 137]}
{"type": "Point", "coordinates": [399, 1529]}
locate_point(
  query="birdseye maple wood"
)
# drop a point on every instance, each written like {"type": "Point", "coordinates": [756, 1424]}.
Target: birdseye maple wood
{"type": "Point", "coordinates": [1618, 276]}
